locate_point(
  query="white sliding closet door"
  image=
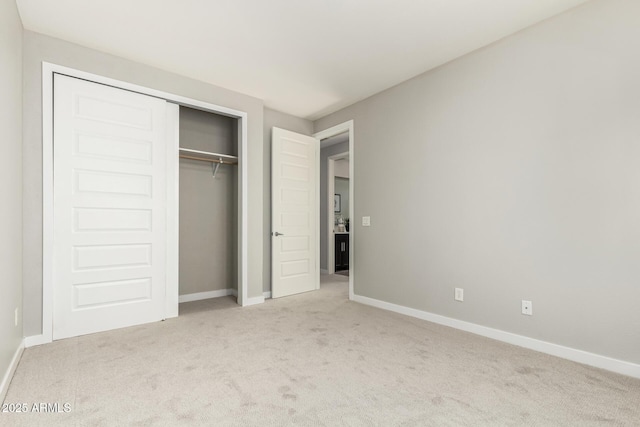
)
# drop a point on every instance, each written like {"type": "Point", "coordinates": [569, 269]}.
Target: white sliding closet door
{"type": "Point", "coordinates": [110, 208]}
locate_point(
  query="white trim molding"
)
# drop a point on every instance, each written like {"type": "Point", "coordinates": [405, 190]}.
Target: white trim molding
{"type": "Point", "coordinates": [172, 148]}
{"type": "Point", "coordinates": [8, 375]}
{"type": "Point", "coordinates": [253, 301]}
{"type": "Point", "coordinates": [35, 340]}
{"type": "Point", "coordinates": [267, 294]}
{"type": "Point", "coordinates": [198, 296]}
{"type": "Point", "coordinates": [580, 356]}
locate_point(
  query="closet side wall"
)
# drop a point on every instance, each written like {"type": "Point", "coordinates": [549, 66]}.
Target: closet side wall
{"type": "Point", "coordinates": [208, 206]}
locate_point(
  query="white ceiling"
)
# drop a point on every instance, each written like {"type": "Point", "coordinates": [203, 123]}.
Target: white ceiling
{"type": "Point", "coordinates": [306, 58]}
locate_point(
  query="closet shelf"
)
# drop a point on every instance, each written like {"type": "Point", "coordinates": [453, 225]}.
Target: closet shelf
{"type": "Point", "coordinates": [205, 156]}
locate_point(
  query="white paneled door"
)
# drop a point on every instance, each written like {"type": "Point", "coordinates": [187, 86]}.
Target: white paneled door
{"type": "Point", "coordinates": [109, 208]}
{"type": "Point", "coordinates": [295, 209]}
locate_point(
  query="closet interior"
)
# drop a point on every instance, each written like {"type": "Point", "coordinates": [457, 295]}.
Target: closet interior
{"type": "Point", "coordinates": [208, 261]}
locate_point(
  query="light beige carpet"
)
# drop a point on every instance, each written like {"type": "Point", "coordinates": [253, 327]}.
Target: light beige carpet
{"type": "Point", "coordinates": [312, 360]}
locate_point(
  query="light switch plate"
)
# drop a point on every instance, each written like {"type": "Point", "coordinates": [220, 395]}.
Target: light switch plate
{"type": "Point", "coordinates": [527, 307]}
{"type": "Point", "coordinates": [366, 221]}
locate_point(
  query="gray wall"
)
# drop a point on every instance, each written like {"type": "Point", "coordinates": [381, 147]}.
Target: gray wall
{"type": "Point", "coordinates": [325, 153]}
{"type": "Point", "coordinates": [284, 121]}
{"type": "Point", "coordinates": [38, 48]}
{"type": "Point", "coordinates": [10, 182]}
{"type": "Point", "coordinates": [208, 206]}
{"type": "Point", "coordinates": [518, 174]}
{"type": "Point", "coordinates": [341, 168]}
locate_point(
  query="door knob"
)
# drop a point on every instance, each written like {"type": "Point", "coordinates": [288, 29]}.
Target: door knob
{"type": "Point", "coordinates": [278, 234]}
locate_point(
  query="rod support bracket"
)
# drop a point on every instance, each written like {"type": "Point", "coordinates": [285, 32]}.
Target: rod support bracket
{"type": "Point", "coordinates": [216, 166]}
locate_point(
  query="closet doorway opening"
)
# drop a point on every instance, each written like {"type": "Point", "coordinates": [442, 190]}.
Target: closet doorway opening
{"type": "Point", "coordinates": [337, 208]}
{"type": "Point", "coordinates": [208, 226]}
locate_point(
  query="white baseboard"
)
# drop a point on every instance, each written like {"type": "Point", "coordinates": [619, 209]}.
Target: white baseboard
{"type": "Point", "coordinates": [206, 295]}
{"type": "Point", "coordinates": [36, 340]}
{"type": "Point", "coordinates": [8, 375]}
{"type": "Point", "coordinates": [580, 356]}
{"type": "Point", "coordinates": [223, 293]}
{"type": "Point", "coordinates": [253, 301]}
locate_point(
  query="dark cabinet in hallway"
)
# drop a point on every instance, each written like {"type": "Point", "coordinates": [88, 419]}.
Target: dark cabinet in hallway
{"type": "Point", "coordinates": [342, 251]}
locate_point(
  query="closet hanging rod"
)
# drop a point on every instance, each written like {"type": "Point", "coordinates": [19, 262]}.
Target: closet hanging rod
{"type": "Point", "coordinates": [207, 153]}
{"type": "Point", "coordinates": [202, 159]}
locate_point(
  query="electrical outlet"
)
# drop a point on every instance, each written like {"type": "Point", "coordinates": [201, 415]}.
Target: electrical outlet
{"type": "Point", "coordinates": [366, 221]}
{"type": "Point", "coordinates": [459, 294]}
{"type": "Point", "coordinates": [527, 308]}
{"type": "Point", "coordinates": [15, 316]}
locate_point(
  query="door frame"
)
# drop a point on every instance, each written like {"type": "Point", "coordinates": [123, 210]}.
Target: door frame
{"type": "Point", "coordinates": [331, 216]}
{"type": "Point", "coordinates": [328, 133]}
{"type": "Point", "coordinates": [48, 71]}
